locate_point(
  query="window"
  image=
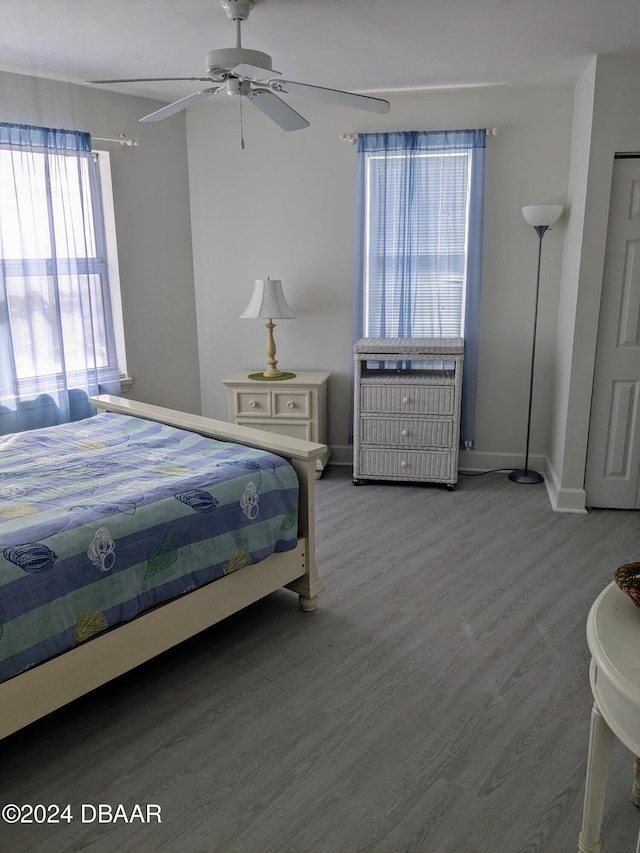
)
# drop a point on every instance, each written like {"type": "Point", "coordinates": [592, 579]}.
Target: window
{"type": "Point", "coordinates": [55, 299]}
{"type": "Point", "coordinates": [416, 245]}
{"type": "Point", "coordinates": [420, 232]}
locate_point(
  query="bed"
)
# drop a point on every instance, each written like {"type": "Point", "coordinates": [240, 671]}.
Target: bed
{"type": "Point", "coordinates": [203, 517]}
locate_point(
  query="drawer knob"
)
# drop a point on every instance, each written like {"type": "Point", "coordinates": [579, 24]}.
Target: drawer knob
{"type": "Point", "coordinates": [290, 404]}
{"type": "Point", "coordinates": [405, 432]}
{"type": "Point", "coordinates": [403, 464]}
{"type": "Point", "coordinates": [405, 399]}
{"type": "Point", "coordinates": [252, 404]}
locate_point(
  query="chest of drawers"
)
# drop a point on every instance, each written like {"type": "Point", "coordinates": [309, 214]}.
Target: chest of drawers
{"type": "Point", "coordinates": [407, 409]}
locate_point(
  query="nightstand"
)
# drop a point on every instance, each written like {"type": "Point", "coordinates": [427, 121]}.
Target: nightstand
{"type": "Point", "coordinates": [296, 407]}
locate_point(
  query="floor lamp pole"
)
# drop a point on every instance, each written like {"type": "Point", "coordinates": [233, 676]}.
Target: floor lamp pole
{"type": "Point", "coordinates": [524, 475]}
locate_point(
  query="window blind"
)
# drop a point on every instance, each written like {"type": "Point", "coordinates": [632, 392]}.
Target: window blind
{"type": "Point", "coordinates": [417, 244]}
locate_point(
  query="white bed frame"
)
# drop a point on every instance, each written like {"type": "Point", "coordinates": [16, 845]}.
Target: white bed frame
{"type": "Point", "coordinates": [52, 684]}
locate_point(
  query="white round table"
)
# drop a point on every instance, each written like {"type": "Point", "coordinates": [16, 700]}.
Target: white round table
{"type": "Point", "coordinates": [613, 636]}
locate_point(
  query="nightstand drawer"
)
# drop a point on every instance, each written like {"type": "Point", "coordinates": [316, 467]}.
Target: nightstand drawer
{"type": "Point", "coordinates": [253, 404]}
{"type": "Point", "coordinates": [406, 432]}
{"type": "Point", "coordinates": [292, 404]}
{"type": "Point", "coordinates": [291, 428]}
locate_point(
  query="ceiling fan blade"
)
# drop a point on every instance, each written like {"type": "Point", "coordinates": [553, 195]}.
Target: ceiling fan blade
{"type": "Point", "coordinates": [332, 96]}
{"type": "Point", "coordinates": [254, 72]}
{"type": "Point", "coordinates": [176, 106]}
{"type": "Point", "coordinates": [156, 80]}
{"type": "Point", "coordinates": [277, 110]}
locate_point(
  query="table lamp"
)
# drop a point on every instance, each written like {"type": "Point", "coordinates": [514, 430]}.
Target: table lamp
{"type": "Point", "coordinates": [268, 303]}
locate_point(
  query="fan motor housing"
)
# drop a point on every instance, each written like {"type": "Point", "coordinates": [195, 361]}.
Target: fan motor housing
{"type": "Point", "coordinates": [228, 57]}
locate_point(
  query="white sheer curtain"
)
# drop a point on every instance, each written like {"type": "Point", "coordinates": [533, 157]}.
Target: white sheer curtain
{"type": "Point", "coordinates": [57, 344]}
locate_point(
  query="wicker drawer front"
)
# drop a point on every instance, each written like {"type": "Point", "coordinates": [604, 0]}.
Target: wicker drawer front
{"type": "Point", "coordinates": [405, 432]}
{"type": "Point", "coordinates": [408, 399]}
{"type": "Point", "coordinates": [406, 464]}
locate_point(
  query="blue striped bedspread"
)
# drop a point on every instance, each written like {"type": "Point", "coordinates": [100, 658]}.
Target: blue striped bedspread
{"type": "Point", "coordinates": [104, 518]}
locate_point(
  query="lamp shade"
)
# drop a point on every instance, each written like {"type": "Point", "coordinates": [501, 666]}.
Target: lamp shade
{"type": "Point", "coordinates": [268, 302]}
{"type": "Point", "coordinates": [542, 214]}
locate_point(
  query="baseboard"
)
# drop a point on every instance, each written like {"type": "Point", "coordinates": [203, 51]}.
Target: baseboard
{"type": "Point", "coordinates": [479, 462]}
{"type": "Point", "coordinates": [473, 461]}
{"type": "Point", "coordinates": [341, 454]}
{"type": "Point", "coordinates": [563, 500]}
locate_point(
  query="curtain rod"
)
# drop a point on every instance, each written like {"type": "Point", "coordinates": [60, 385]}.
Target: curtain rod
{"type": "Point", "coordinates": [123, 139]}
{"type": "Point", "coordinates": [353, 137]}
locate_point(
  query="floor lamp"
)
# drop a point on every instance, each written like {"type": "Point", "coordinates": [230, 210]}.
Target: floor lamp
{"type": "Point", "coordinates": [541, 216]}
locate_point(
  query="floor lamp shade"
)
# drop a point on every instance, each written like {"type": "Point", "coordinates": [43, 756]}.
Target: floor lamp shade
{"type": "Point", "coordinates": [540, 216]}
{"type": "Point", "coordinates": [268, 303]}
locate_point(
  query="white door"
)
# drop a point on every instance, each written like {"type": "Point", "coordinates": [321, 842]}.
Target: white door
{"type": "Point", "coordinates": [613, 456]}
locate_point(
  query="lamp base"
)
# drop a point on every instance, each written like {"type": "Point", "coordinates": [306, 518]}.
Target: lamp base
{"type": "Point", "coordinates": [520, 475]}
{"type": "Point", "coordinates": [260, 377]}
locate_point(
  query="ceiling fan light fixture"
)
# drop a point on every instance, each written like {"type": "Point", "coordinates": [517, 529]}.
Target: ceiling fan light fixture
{"type": "Point", "coordinates": [236, 88]}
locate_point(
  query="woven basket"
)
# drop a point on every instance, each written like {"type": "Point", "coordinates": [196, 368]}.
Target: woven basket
{"type": "Point", "coordinates": [628, 579]}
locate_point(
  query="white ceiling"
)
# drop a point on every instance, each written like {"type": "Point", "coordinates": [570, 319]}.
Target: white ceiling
{"type": "Point", "coordinates": [357, 45]}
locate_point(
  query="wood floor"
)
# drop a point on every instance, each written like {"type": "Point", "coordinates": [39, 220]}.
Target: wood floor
{"type": "Point", "coordinates": [437, 702]}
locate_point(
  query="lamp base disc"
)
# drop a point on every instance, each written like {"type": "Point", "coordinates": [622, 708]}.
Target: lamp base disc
{"type": "Point", "coordinates": [260, 377]}
{"type": "Point", "coordinates": [519, 475]}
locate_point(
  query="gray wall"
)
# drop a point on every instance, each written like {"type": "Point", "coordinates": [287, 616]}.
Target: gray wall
{"type": "Point", "coordinates": [151, 200]}
{"type": "Point", "coordinates": [285, 207]}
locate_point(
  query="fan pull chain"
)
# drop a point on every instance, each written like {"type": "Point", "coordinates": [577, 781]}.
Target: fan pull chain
{"type": "Point", "coordinates": [241, 128]}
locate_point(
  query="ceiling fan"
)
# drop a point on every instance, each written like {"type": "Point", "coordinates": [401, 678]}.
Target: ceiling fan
{"type": "Point", "coordinates": [243, 73]}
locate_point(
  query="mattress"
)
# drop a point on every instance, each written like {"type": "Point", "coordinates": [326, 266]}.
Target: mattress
{"type": "Point", "coordinates": [104, 518]}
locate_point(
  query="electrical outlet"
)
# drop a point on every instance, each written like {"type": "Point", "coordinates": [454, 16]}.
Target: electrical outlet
{"type": "Point", "coordinates": [468, 445]}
